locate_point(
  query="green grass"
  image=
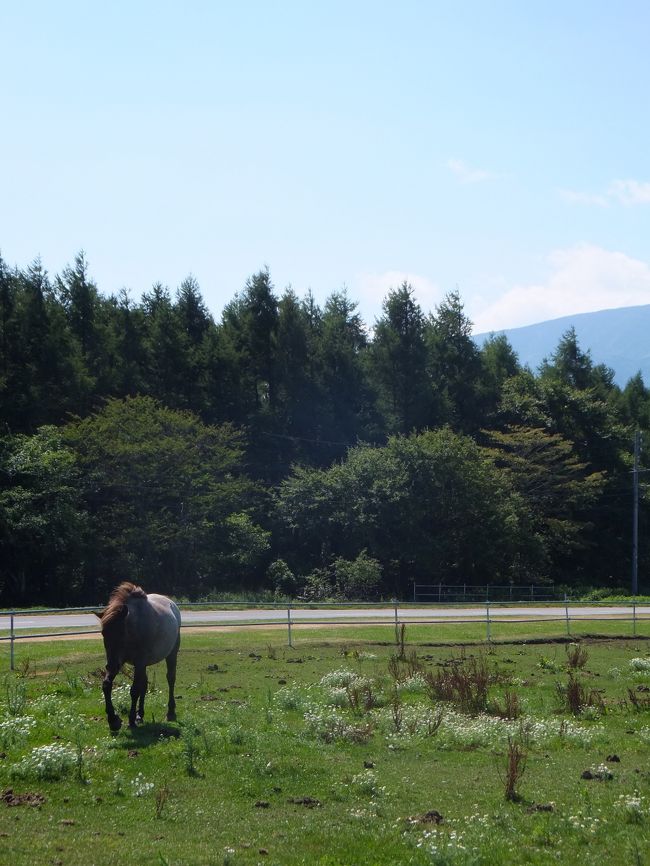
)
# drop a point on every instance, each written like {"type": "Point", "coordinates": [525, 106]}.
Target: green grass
{"type": "Point", "coordinates": [270, 763]}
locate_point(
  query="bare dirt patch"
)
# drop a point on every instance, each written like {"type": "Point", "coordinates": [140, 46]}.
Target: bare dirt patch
{"type": "Point", "coordinates": [29, 799]}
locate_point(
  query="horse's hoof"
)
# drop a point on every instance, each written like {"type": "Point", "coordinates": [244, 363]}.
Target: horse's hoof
{"type": "Point", "coordinates": [115, 723]}
{"type": "Point", "coordinates": [171, 717]}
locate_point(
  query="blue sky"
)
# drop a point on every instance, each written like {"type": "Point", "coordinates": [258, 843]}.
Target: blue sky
{"type": "Point", "coordinates": [501, 148]}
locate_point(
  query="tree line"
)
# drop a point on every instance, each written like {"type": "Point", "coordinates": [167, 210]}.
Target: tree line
{"type": "Point", "coordinates": [288, 446]}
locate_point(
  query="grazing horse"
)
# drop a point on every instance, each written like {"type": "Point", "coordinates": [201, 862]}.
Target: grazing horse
{"type": "Point", "coordinates": [142, 630]}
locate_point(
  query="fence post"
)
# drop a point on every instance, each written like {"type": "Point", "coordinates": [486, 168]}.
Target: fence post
{"type": "Point", "coordinates": [439, 593]}
{"type": "Point", "coordinates": [566, 613]}
{"type": "Point", "coordinates": [396, 620]}
{"type": "Point", "coordinates": [12, 636]}
{"type": "Point", "coordinates": [289, 625]}
{"type": "Point", "coordinates": [487, 621]}
{"type": "Point", "coordinates": [415, 595]}
{"type": "Point", "coordinates": [532, 592]}
{"type": "Point", "coordinates": [634, 616]}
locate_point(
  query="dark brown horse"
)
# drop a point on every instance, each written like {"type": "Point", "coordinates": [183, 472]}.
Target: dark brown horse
{"type": "Point", "coordinates": [142, 630]}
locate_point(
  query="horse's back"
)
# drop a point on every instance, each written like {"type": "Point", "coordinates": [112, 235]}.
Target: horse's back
{"type": "Point", "coordinates": [165, 606]}
{"type": "Point", "coordinates": [154, 624]}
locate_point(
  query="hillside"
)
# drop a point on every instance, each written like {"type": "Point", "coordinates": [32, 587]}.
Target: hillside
{"type": "Point", "coordinates": [619, 338]}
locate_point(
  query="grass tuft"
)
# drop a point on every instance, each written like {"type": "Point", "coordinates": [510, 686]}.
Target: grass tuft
{"type": "Point", "coordinates": [516, 757]}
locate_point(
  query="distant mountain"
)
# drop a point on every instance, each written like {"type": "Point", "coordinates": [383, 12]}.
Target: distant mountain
{"type": "Point", "coordinates": [619, 338]}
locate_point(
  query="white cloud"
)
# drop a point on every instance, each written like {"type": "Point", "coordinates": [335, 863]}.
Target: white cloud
{"type": "Point", "coordinates": [630, 192]}
{"type": "Point", "coordinates": [371, 289]}
{"type": "Point", "coordinates": [581, 279]}
{"type": "Point", "coordinates": [573, 197]}
{"type": "Point", "coordinates": [467, 174]}
{"type": "Point", "coordinates": [626, 192]}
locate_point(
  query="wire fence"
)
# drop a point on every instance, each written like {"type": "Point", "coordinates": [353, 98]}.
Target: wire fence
{"type": "Point", "coordinates": [33, 624]}
{"type": "Point", "coordinates": [475, 592]}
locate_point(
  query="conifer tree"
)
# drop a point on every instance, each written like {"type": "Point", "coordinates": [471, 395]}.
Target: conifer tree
{"type": "Point", "coordinates": [398, 363]}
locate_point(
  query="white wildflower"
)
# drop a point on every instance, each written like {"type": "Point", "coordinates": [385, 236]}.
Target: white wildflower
{"type": "Point", "coordinates": [633, 807]}
{"type": "Point", "coordinates": [341, 678]}
{"type": "Point", "coordinates": [46, 762]}
{"type": "Point", "coordinates": [15, 730]}
{"type": "Point", "coordinates": [140, 786]}
{"type": "Point", "coordinates": [366, 783]}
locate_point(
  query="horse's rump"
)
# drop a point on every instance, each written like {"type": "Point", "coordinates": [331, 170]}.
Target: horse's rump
{"type": "Point", "coordinates": [152, 628]}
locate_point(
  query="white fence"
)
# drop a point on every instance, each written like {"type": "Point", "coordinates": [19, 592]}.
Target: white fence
{"type": "Point", "coordinates": [51, 623]}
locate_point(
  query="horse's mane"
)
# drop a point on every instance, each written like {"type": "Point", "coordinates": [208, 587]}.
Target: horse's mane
{"type": "Point", "coordinates": [119, 597]}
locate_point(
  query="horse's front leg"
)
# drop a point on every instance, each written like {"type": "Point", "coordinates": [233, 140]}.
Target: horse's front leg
{"type": "Point", "coordinates": [171, 682]}
{"type": "Point", "coordinates": [138, 691]}
{"type": "Point", "coordinates": [114, 721]}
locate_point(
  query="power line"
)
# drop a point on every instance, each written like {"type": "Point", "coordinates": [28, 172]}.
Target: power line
{"type": "Point", "coordinates": [635, 514]}
{"type": "Point", "coordinates": [317, 441]}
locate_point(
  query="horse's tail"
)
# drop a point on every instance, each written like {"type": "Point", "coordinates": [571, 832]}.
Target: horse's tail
{"type": "Point", "coordinates": [119, 597]}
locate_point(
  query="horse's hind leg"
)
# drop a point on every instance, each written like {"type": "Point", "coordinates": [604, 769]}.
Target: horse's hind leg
{"type": "Point", "coordinates": [138, 690]}
{"type": "Point", "coordinates": [145, 685]}
{"type": "Point", "coordinates": [171, 681]}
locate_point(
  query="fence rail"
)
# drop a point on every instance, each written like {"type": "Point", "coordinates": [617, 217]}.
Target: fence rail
{"type": "Point", "coordinates": [475, 592]}
{"type": "Point", "coordinates": [51, 623]}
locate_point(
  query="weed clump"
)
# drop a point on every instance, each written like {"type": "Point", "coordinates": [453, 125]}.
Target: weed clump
{"type": "Point", "coordinates": [463, 683]}
{"type": "Point", "coordinates": [511, 708]}
{"type": "Point", "coordinates": [515, 768]}
{"type": "Point", "coordinates": [162, 796]}
{"type": "Point", "coordinates": [576, 656]}
{"type": "Point", "coordinates": [638, 702]}
{"type": "Point", "coordinates": [575, 697]}
{"type": "Point", "coordinates": [15, 695]}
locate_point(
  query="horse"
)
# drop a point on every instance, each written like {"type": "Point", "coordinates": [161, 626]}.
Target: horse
{"type": "Point", "coordinates": [142, 630]}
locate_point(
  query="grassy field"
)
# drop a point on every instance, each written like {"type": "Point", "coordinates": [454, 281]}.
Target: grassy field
{"type": "Point", "coordinates": [336, 752]}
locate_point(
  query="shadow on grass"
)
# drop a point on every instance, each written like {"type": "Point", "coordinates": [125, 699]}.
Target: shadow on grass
{"type": "Point", "coordinates": [147, 734]}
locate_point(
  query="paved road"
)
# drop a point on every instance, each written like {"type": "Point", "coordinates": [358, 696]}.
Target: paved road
{"type": "Point", "coordinates": [37, 622]}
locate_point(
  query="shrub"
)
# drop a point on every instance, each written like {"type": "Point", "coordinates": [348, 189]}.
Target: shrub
{"type": "Point", "coordinates": [319, 585]}
{"type": "Point", "coordinates": [358, 578]}
{"type": "Point", "coordinates": [281, 578]}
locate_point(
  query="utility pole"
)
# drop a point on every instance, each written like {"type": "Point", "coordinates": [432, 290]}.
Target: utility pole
{"type": "Point", "coordinates": [635, 514]}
